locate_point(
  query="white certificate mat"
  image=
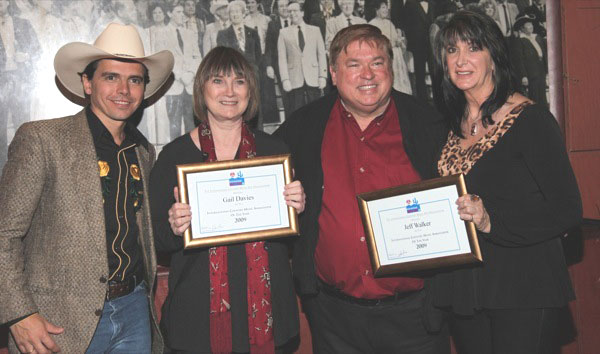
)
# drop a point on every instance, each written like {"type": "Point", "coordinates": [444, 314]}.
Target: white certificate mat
{"type": "Point", "coordinates": [234, 201]}
{"type": "Point", "coordinates": [237, 201]}
{"type": "Point", "coordinates": [417, 227]}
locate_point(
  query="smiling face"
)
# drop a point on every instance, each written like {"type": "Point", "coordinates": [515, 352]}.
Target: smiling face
{"type": "Point", "coordinates": [226, 97]}
{"type": "Point", "coordinates": [282, 8]}
{"type": "Point", "coordinates": [236, 15]}
{"type": "Point", "coordinates": [527, 28]}
{"type": "Point", "coordinates": [177, 15]}
{"type": "Point", "coordinates": [252, 6]}
{"type": "Point", "coordinates": [116, 90]}
{"type": "Point", "coordinates": [189, 8]}
{"type": "Point", "coordinates": [158, 16]}
{"type": "Point", "coordinates": [382, 11]}
{"type": "Point", "coordinates": [363, 76]}
{"type": "Point", "coordinates": [296, 14]}
{"type": "Point", "coordinates": [347, 7]}
{"type": "Point", "coordinates": [490, 10]}
{"type": "Point", "coordinates": [470, 68]}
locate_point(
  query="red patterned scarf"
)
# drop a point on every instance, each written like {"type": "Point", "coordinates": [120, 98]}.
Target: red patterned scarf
{"type": "Point", "coordinates": [260, 318]}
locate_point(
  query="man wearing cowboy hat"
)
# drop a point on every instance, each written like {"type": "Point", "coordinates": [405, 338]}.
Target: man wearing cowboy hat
{"type": "Point", "coordinates": [76, 248]}
{"type": "Point", "coordinates": [529, 57]}
{"type": "Point", "coordinates": [219, 9]}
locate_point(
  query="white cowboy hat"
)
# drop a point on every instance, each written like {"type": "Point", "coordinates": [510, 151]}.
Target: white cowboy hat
{"type": "Point", "coordinates": [217, 5]}
{"type": "Point", "coordinates": [116, 41]}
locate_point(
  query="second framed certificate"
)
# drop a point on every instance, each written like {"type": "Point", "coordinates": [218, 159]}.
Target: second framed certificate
{"type": "Point", "coordinates": [237, 201]}
{"type": "Point", "coordinates": [417, 227]}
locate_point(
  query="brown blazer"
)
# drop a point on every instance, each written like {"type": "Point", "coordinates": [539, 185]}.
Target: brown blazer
{"type": "Point", "coordinates": [52, 231]}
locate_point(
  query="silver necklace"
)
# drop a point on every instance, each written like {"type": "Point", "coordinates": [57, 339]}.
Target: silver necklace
{"type": "Point", "coordinates": [474, 127]}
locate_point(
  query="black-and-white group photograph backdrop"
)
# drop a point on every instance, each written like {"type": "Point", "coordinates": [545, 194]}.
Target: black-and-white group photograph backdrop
{"type": "Point", "coordinates": [285, 40]}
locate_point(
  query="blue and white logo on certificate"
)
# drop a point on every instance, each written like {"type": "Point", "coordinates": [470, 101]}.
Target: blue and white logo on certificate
{"type": "Point", "coordinates": [412, 206]}
{"type": "Point", "coordinates": [236, 179]}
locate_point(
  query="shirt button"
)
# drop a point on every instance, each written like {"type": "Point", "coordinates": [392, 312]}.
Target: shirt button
{"type": "Point", "coordinates": [362, 170]}
{"type": "Point", "coordinates": [367, 272]}
{"type": "Point", "coordinates": [103, 279]}
{"type": "Point", "coordinates": [362, 239]}
{"type": "Point", "coordinates": [362, 138]}
{"type": "Point", "coordinates": [323, 187]}
{"type": "Point", "coordinates": [98, 313]}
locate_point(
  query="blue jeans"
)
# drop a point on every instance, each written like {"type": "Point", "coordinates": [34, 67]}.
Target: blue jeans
{"type": "Point", "coordinates": [124, 326]}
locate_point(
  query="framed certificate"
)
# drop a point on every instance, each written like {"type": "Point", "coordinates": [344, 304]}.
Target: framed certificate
{"type": "Point", "coordinates": [237, 201]}
{"type": "Point", "coordinates": [417, 227]}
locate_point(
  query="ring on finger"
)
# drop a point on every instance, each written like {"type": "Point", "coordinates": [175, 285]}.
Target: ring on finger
{"type": "Point", "coordinates": [475, 198]}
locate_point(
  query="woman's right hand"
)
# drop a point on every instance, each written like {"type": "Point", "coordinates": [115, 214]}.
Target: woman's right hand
{"type": "Point", "coordinates": [180, 215]}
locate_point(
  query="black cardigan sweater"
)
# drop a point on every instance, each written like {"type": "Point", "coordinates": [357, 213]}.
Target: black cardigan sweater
{"type": "Point", "coordinates": [529, 190]}
{"type": "Point", "coordinates": [185, 314]}
{"type": "Point", "coordinates": [423, 135]}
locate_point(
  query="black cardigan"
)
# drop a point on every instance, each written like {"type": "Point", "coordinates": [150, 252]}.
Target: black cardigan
{"type": "Point", "coordinates": [530, 192]}
{"type": "Point", "coordinates": [423, 135]}
{"type": "Point", "coordinates": [185, 314]}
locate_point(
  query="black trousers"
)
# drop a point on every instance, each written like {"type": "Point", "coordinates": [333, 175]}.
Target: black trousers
{"type": "Point", "coordinates": [337, 326]}
{"type": "Point", "coordinates": [518, 331]}
{"type": "Point", "coordinates": [302, 96]}
{"type": "Point", "coordinates": [180, 111]}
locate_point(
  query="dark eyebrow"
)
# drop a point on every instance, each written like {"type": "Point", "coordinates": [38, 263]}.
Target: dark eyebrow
{"type": "Point", "coordinates": [108, 73]}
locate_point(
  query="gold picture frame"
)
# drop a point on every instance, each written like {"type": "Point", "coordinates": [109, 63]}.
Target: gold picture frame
{"type": "Point", "coordinates": [435, 226]}
{"type": "Point", "coordinates": [223, 185]}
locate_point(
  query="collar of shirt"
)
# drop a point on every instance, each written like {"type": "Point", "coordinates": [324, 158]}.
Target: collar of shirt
{"type": "Point", "coordinates": [101, 135]}
{"type": "Point", "coordinates": [378, 121]}
{"type": "Point", "coordinates": [302, 25]}
{"type": "Point", "coordinates": [239, 29]}
{"type": "Point", "coordinates": [529, 36]}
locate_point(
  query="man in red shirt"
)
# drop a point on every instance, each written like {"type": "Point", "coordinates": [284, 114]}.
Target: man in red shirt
{"type": "Point", "coordinates": [363, 137]}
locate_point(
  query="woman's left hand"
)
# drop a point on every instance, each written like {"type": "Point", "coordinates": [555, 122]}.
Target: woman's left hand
{"type": "Point", "coordinates": [470, 208]}
{"type": "Point", "coordinates": [294, 196]}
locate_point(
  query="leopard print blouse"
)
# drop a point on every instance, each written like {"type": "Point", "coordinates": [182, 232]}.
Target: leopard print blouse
{"type": "Point", "coordinates": [455, 159]}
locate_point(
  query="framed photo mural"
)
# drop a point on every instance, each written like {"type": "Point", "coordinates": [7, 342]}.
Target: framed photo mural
{"type": "Point", "coordinates": [29, 90]}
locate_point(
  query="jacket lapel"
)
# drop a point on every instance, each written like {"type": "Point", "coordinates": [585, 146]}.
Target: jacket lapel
{"type": "Point", "coordinates": [145, 237]}
{"type": "Point", "coordinates": [87, 180]}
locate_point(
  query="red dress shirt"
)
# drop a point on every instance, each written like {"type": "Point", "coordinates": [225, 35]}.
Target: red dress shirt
{"type": "Point", "coordinates": [355, 162]}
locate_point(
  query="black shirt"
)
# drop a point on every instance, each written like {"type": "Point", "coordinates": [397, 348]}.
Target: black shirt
{"type": "Point", "coordinates": [122, 193]}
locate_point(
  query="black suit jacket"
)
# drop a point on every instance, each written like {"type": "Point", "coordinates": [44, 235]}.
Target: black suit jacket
{"type": "Point", "coordinates": [270, 57]}
{"type": "Point", "coordinates": [252, 51]}
{"type": "Point", "coordinates": [398, 14]}
{"type": "Point", "coordinates": [417, 25]}
{"type": "Point", "coordinates": [423, 132]}
{"type": "Point", "coordinates": [525, 59]}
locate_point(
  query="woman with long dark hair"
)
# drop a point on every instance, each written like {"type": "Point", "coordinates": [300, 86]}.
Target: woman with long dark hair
{"type": "Point", "coordinates": [523, 197]}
